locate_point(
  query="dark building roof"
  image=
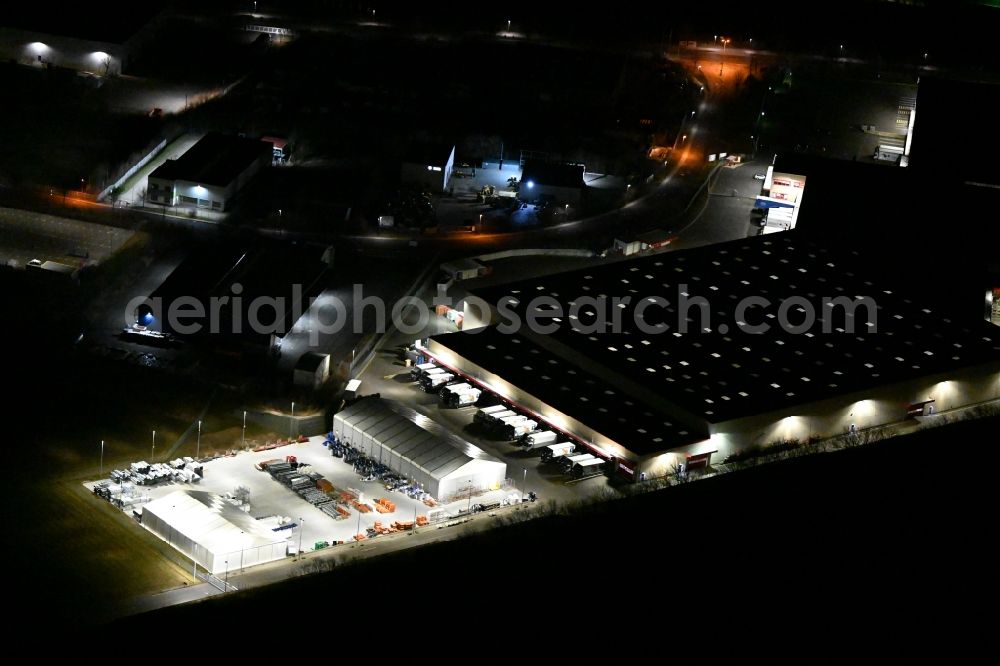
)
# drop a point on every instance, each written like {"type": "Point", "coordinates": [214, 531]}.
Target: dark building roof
{"type": "Point", "coordinates": [216, 159]}
{"type": "Point", "coordinates": [639, 426]}
{"type": "Point", "coordinates": [111, 22]}
{"type": "Point", "coordinates": [924, 230]}
{"type": "Point", "coordinates": [267, 270]}
{"type": "Point", "coordinates": [431, 153]}
{"type": "Point", "coordinates": [553, 174]}
{"type": "Point", "coordinates": [725, 372]}
{"type": "Point", "coordinates": [942, 141]}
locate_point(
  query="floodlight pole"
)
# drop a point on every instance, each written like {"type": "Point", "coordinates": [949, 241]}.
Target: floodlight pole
{"type": "Point", "coordinates": [152, 453]}
{"type": "Point", "coordinates": [197, 453]}
{"type": "Point", "coordinates": [244, 428]}
{"type": "Point", "coordinates": [301, 520]}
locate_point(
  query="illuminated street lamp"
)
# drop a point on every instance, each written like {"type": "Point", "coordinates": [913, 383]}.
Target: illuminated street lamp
{"type": "Point", "coordinates": [508, 25]}
{"type": "Point", "coordinates": [153, 452]}
{"type": "Point", "coordinates": [291, 423]}
{"type": "Point", "coordinates": [102, 457]}
{"type": "Point", "coordinates": [244, 428]}
{"type": "Point", "coordinates": [197, 452]}
{"type": "Point", "coordinates": [723, 61]}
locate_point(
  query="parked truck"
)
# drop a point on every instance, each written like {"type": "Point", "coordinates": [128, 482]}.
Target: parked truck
{"type": "Point", "coordinates": [491, 420]}
{"type": "Point", "coordinates": [459, 395]}
{"type": "Point", "coordinates": [434, 382]}
{"type": "Point", "coordinates": [589, 467]}
{"type": "Point", "coordinates": [567, 462]}
{"type": "Point", "coordinates": [533, 440]}
{"type": "Point", "coordinates": [553, 451]}
{"type": "Point", "coordinates": [517, 430]}
{"type": "Point", "coordinates": [420, 370]}
{"type": "Point", "coordinates": [483, 414]}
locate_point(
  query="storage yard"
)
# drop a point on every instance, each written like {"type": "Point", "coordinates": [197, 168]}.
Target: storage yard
{"type": "Point", "coordinates": [309, 492]}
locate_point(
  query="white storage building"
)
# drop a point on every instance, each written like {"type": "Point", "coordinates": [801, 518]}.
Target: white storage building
{"type": "Point", "coordinates": [444, 465]}
{"type": "Point", "coordinates": [211, 531]}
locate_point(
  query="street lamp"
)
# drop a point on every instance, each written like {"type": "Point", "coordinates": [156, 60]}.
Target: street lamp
{"type": "Point", "coordinates": [244, 428]}
{"type": "Point", "coordinates": [722, 62]}
{"type": "Point", "coordinates": [197, 453]}
{"type": "Point", "coordinates": [153, 452]}
{"type": "Point", "coordinates": [291, 422]}
{"type": "Point", "coordinates": [302, 520]}
{"type": "Point", "coordinates": [468, 508]}
{"type": "Point", "coordinates": [508, 25]}
{"type": "Point", "coordinates": [524, 485]}
{"type": "Point", "coordinates": [102, 457]}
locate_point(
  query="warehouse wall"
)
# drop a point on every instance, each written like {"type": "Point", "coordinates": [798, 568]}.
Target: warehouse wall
{"type": "Point", "coordinates": [864, 409]}
{"type": "Point", "coordinates": [163, 529]}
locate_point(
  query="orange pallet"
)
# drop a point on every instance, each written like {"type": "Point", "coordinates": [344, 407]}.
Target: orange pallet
{"type": "Point", "coordinates": [360, 537]}
{"type": "Point", "coordinates": [430, 502]}
{"type": "Point", "coordinates": [381, 509]}
{"type": "Point", "coordinates": [343, 510]}
{"type": "Point", "coordinates": [421, 520]}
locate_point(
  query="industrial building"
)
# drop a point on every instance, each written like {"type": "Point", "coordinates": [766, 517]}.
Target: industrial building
{"type": "Point", "coordinates": [674, 372]}
{"type": "Point", "coordinates": [551, 182]}
{"type": "Point", "coordinates": [78, 38]}
{"type": "Point", "coordinates": [212, 532]}
{"type": "Point", "coordinates": [248, 297]}
{"type": "Point", "coordinates": [429, 166]}
{"type": "Point", "coordinates": [443, 465]}
{"type": "Point", "coordinates": [210, 174]}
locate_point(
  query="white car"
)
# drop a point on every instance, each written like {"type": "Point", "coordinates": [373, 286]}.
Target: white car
{"type": "Point", "coordinates": [759, 176]}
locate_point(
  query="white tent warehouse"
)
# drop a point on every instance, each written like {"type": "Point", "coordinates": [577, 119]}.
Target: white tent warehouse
{"type": "Point", "coordinates": [445, 466]}
{"type": "Point", "coordinates": [211, 531]}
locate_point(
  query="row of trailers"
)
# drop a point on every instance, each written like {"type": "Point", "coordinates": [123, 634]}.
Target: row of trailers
{"type": "Point", "coordinates": [512, 426]}
{"type": "Point", "coordinates": [504, 422]}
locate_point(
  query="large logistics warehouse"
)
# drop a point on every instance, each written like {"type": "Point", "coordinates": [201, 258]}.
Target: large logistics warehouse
{"type": "Point", "coordinates": [677, 370]}
{"type": "Point", "coordinates": [443, 465]}
{"type": "Point", "coordinates": [211, 531]}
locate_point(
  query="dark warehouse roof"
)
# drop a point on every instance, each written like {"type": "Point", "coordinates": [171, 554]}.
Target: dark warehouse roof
{"type": "Point", "coordinates": [553, 174]}
{"type": "Point", "coordinates": [724, 372]}
{"type": "Point", "coordinates": [217, 159]}
{"type": "Point", "coordinates": [572, 390]}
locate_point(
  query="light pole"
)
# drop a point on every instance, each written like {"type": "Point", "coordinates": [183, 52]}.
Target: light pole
{"type": "Point", "coordinates": [152, 455]}
{"type": "Point", "coordinates": [301, 521]}
{"type": "Point", "coordinates": [468, 508]}
{"type": "Point", "coordinates": [508, 25]}
{"type": "Point", "coordinates": [226, 586]}
{"type": "Point", "coordinates": [102, 457]}
{"type": "Point", "coordinates": [524, 485]}
{"type": "Point", "coordinates": [197, 452]}
{"type": "Point", "coordinates": [244, 428]}
{"type": "Point", "coordinates": [722, 63]}
{"type": "Point", "coordinates": [242, 547]}
{"type": "Point", "coordinates": [291, 422]}
{"type": "Point", "coordinates": [756, 133]}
